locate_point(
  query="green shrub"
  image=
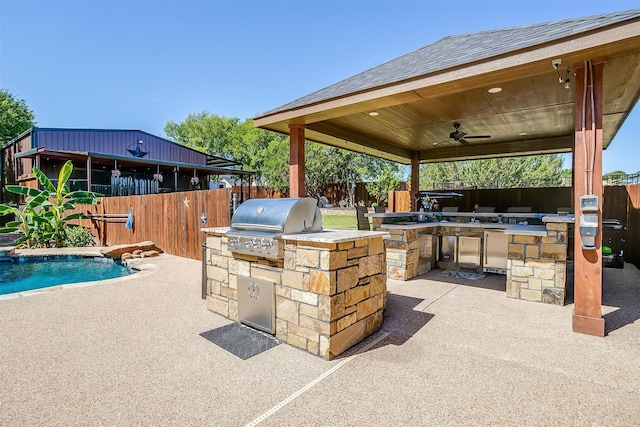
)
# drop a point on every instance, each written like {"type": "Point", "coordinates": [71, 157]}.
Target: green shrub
{"type": "Point", "coordinates": [79, 237]}
{"type": "Point", "coordinates": [42, 221]}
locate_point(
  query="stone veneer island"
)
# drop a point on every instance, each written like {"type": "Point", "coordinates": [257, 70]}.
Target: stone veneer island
{"type": "Point", "coordinates": [536, 255]}
{"type": "Point", "coordinates": [330, 287]}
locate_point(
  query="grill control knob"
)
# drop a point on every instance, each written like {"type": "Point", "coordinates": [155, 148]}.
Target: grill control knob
{"type": "Point", "coordinates": [263, 243]}
{"type": "Point", "coordinates": [254, 243]}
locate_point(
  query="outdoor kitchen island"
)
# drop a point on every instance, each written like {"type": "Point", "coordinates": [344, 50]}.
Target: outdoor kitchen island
{"type": "Point", "coordinates": [327, 292]}
{"type": "Point", "coordinates": [533, 257]}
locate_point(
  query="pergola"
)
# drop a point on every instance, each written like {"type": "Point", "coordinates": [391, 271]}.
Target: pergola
{"type": "Point", "coordinates": [503, 83]}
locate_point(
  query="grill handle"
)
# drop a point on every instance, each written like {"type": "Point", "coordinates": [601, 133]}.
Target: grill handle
{"type": "Point", "coordinates": [253, 226]}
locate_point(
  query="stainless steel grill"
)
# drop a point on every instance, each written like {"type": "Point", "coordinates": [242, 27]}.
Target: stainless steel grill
{"type": "Point", "coordinates": [257, 224]}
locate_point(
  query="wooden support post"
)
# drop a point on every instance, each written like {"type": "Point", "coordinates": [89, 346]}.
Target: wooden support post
{"type": "Point", "coordinates": [587, 312]}
{"type": "Point", "coordinates": [296, 161]}
{"type": "Point", "coordinates": [88, 173]}
{"type": "Point", "coordinates": [415, 180]}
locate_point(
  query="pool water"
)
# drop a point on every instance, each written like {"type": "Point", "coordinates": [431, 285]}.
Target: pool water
{"type": "Point", "coordinates": [24, 274]}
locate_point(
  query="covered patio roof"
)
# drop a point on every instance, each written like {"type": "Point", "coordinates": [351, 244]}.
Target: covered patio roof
{"type": "Point", "coordinates": [503, 85]}
{"type": "Point", "coordinates": [419, 96]}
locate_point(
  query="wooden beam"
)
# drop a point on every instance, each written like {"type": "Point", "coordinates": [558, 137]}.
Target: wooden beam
{"type": "Point", "coordinates": [587, 312]}
{"type": "Point", "coordinates": [502, 149]}
{"type": "Point", "coordinates": [88, 173]}
{"type": "Point", "coordinates": [357, 138]}
{"type": "Point", "coordinates": [296, 161]}
{"type": "Point", "coordinates": [415, 179]}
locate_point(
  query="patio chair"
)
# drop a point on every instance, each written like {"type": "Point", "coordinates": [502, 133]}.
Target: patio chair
{"type": "Point", "coordinates": [363, 221]}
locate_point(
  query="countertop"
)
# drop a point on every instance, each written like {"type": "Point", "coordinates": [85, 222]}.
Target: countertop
{"type": "Point", "coordinates": [461, 214]}
{"type": "Point", "coordinates": [419, 225]}
{"type": "Point", "coordinates": [520, 229]}
{"type": "Point", "coordinates": [324, 236]}
{"type": "Point", "coordinates": [527, 230]}
{"type": "Point", "coordinates": [334, 236]}
{"type": "Point", "coordinates": [559, 218]}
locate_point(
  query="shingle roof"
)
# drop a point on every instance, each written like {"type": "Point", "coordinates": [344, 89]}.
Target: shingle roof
{"type": "Point", "coordinates": [458, 50]}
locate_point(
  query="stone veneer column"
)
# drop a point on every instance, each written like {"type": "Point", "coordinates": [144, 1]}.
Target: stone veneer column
{"type": "Point", "coordinates": [537, 266]}
{"type": "Point", "coordinates": [329, 296]}
{"type": "Point", "coordinates": [410, 252]}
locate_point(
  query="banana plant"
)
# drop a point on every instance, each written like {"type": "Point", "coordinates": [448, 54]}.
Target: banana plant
{"type": "Point", "coordinates": [42, 221]}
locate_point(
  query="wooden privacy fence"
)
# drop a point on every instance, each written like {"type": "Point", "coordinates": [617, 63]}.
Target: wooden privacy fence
{"type": "Point", "coordinates": [172, 220]}
{"type": "Point", "coordinates": [632, 252]}
{"type": "Point", "coordinates": [333, 192]}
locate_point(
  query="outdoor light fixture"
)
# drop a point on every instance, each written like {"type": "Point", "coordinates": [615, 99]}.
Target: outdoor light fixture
{"type": "Point", "coordinates": [495, 90]}
{"type": "Point", "coordinates": [566, 80]}
{"type": "Point", "coordinates": [374, 113]}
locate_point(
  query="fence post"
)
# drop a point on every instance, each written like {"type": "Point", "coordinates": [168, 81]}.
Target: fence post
{"type": "Point", "coordinates": [204, 270]}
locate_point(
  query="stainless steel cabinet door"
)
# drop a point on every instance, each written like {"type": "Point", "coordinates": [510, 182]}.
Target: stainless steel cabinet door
{"type": "Point", "coordinates": [256, 303]}
{"type": "Point", "coordinates": [495, 249]}
{"type": "Point", "coordinates": [469, 251]}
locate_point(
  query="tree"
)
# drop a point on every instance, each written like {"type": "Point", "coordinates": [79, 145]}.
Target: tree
{"type": "Point", "coordinates": [387, 181]}
{"type": "Point", "coordinates": [527, 171]}
{"type": "Point", "coordinates": [615, 176]}
{"type": "Point", "coordinates": [204, 132]}
{"type": "Point", "coordinates": [42, 220]}
{"type": "Point", "coordinates": [267, 153]}
{"type": "Point", "coordinates": [232, 139]}
{"type": "Point", "coordinates": [15, 116]}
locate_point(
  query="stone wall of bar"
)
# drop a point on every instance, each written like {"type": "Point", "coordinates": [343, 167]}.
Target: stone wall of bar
{"type": "Point", "coordinates": [537, 265]}
{"type": "Point", "coordinates": [329, 296]}
{"type": "Point", "coordinates": [410, 252]}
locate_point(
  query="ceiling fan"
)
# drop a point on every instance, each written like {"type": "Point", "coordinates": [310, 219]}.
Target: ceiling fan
{"type": "Point", "coordinates": [459, 136]}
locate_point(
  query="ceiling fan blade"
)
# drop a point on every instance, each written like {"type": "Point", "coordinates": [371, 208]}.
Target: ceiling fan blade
{"type": "Point", "coordinates": [478, 136]}
{"type": "Point", "coordinates": [463, 141]}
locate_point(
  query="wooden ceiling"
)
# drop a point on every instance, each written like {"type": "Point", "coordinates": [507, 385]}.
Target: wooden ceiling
{"type": "Point", "coordinates": [532, 114]}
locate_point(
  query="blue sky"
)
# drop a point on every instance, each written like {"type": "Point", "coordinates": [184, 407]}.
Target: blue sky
{"type": "Point", "coordinates": [139, 64]}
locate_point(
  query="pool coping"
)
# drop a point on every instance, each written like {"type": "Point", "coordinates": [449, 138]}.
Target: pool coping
{"type": "Point", "coordinates": [143, 268]}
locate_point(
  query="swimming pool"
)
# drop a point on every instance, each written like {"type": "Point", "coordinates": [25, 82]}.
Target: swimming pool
{"type": "Point", "coordinates": [24, 274]}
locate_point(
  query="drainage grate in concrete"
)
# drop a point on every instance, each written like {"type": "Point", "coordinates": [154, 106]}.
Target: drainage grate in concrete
{"type": "Point", "coordinates": [240, 340]}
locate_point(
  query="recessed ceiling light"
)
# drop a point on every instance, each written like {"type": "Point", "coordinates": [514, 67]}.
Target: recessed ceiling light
{"type": "Point", "coordinates": [523, 133]}
{"type": "Point", "coordinates": [495, 90]}
{"type": "Point", "coordinates": [374, 113]}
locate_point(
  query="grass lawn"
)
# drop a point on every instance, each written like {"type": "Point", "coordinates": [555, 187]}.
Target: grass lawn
{"type": "Point", "coordinates": [347, 222]}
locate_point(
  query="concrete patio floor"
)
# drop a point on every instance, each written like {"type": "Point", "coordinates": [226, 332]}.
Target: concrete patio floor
{"type": "Point", "coordinates": [451, 352]}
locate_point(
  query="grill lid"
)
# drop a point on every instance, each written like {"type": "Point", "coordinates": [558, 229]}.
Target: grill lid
{"type": "Point", "coordinates": [282, 216]}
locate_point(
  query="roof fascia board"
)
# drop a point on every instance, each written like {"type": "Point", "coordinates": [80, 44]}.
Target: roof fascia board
{"type": "Point", "coordinates": [62, 153]}
{"type": "Point", "coordinates": [582, 42]}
